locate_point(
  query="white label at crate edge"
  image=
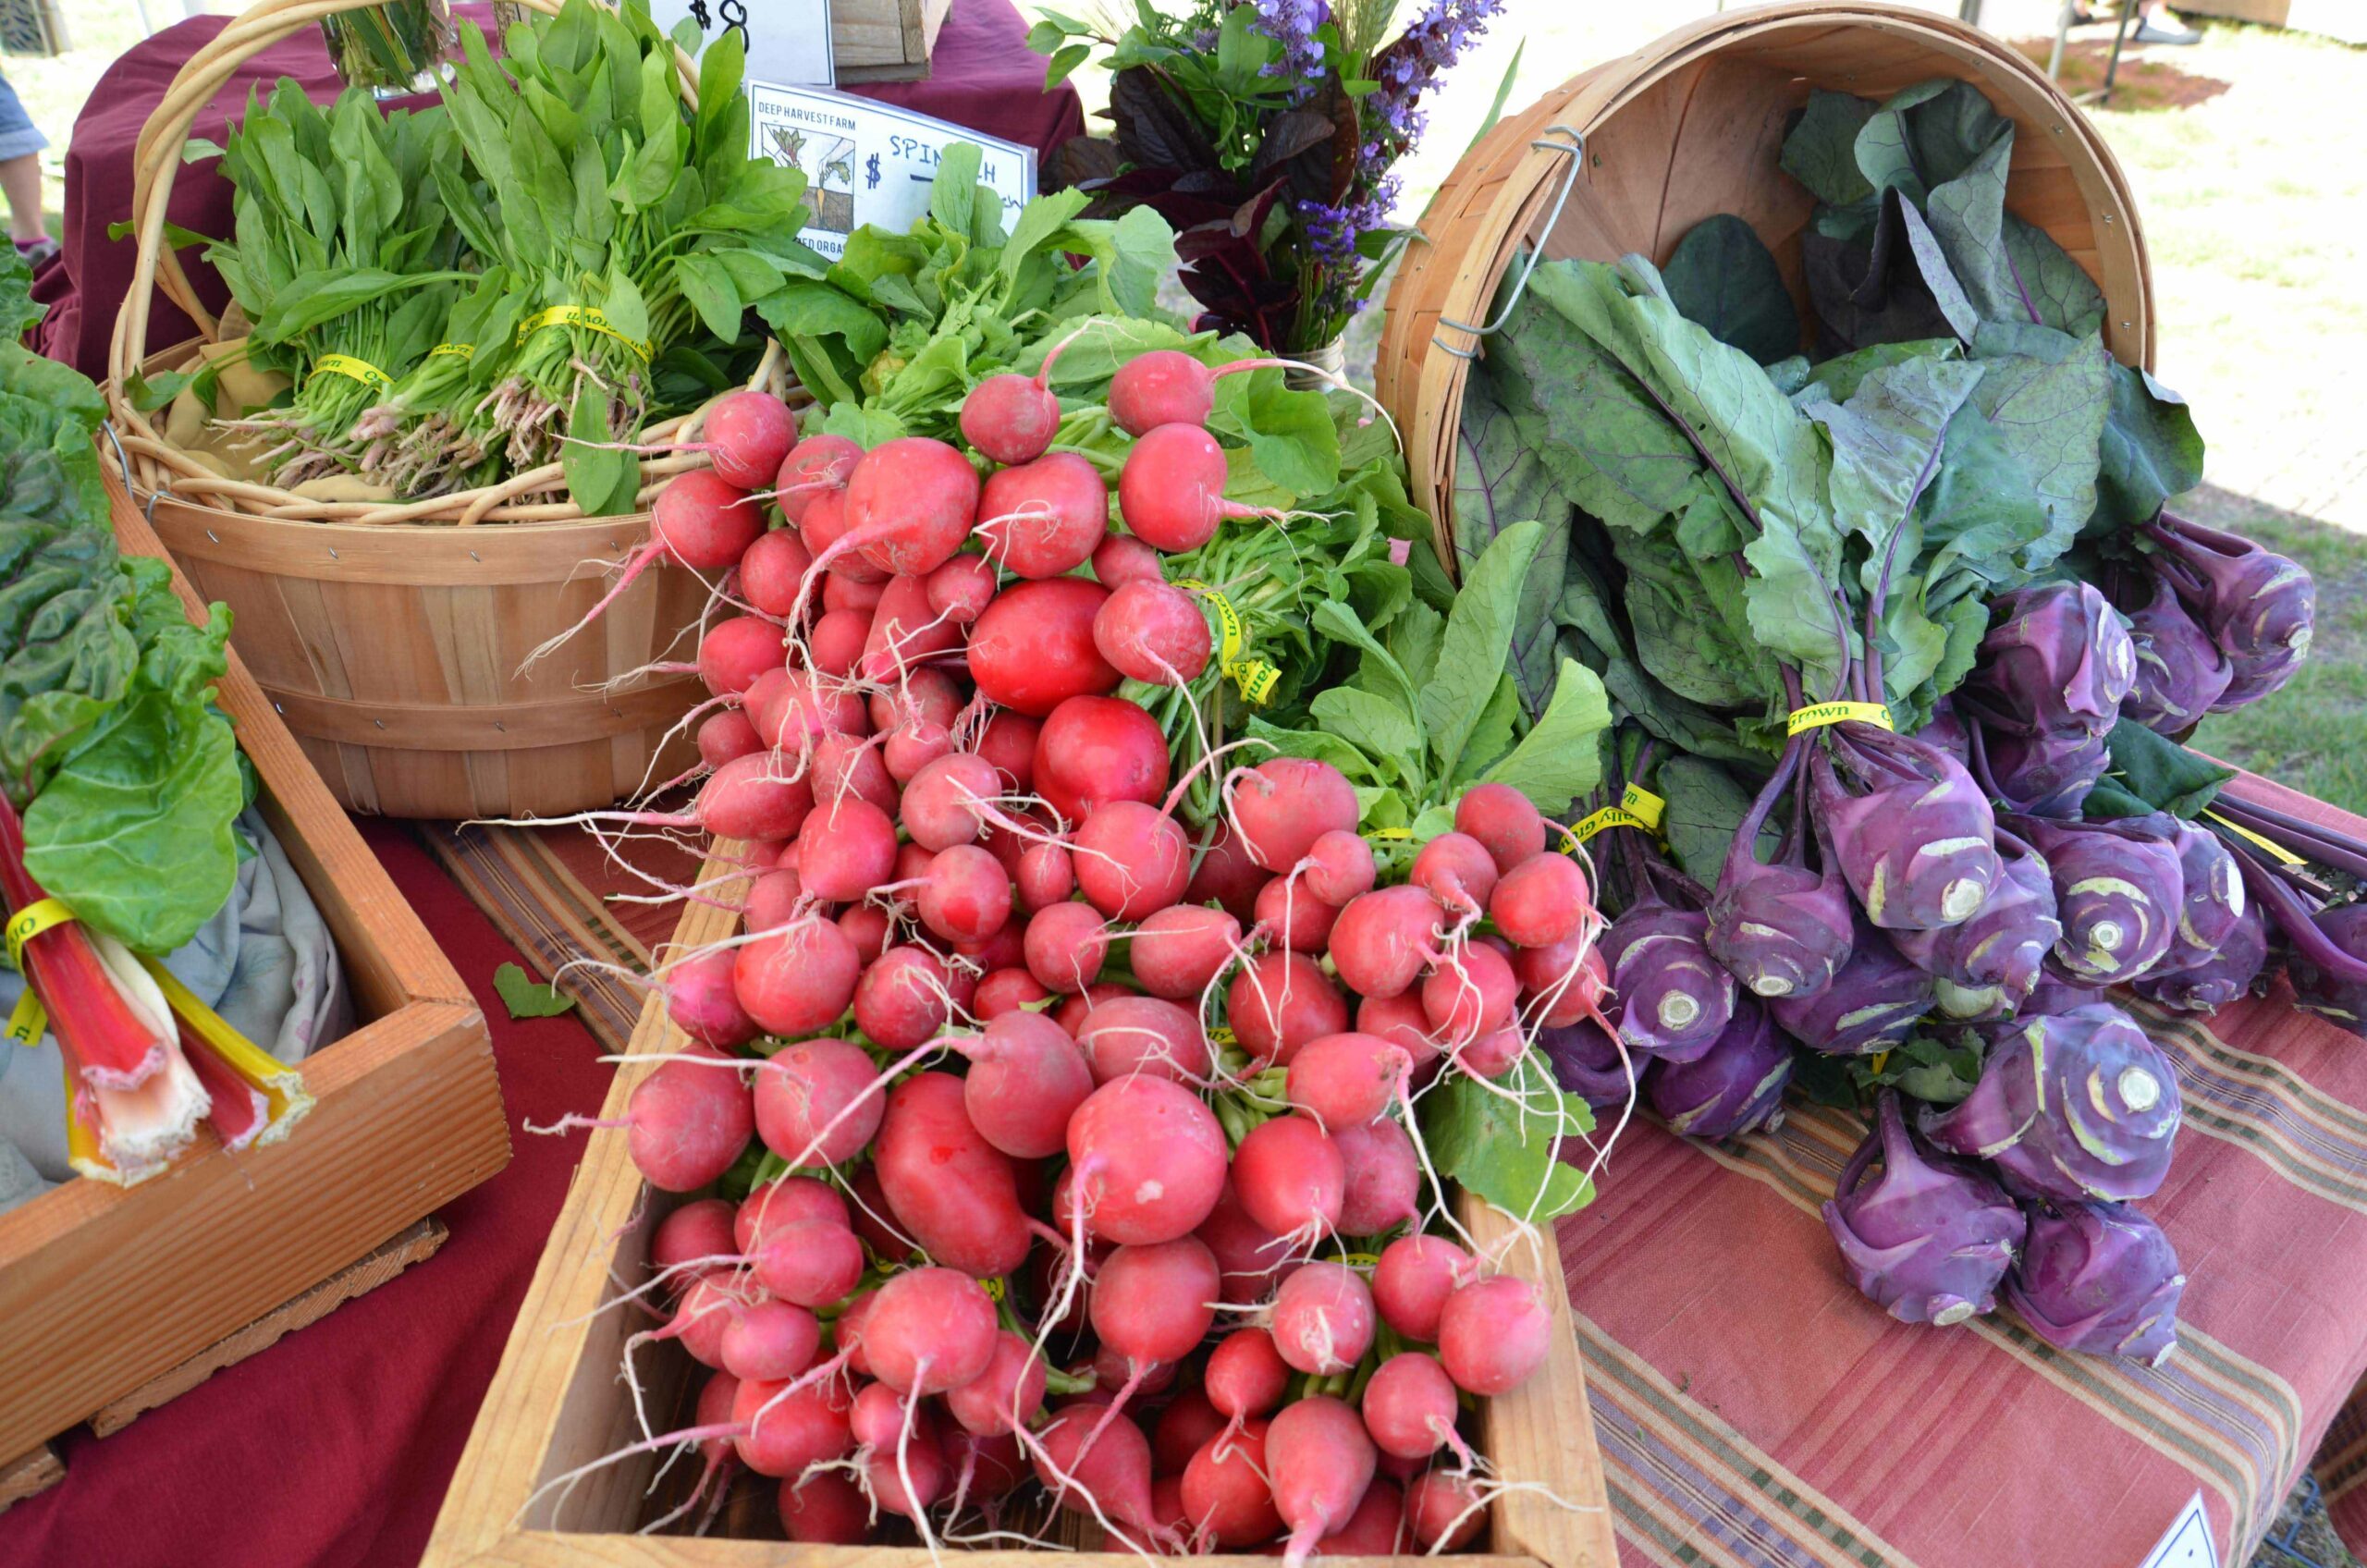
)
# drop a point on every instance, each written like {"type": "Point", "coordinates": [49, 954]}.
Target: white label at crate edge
{"type": "Point", "coordinates": [787, 41]}
{"type": "Point", "coordinates": [871, 163]}
{"type": "Point", "coordinates": [2187, 1543]}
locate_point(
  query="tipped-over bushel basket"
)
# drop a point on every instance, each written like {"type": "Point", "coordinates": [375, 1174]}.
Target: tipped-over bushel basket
{"type": "Point", "coordinates": [390, 635]}
{"type": "Point", "coordinates": [1629, 155]}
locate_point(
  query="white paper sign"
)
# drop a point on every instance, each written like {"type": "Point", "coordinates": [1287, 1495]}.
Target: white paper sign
{"type": "Point", "coordinates": [2189, 1543]}
{"type": "Point", "coordinates": [787, 41]}
{"type": "Point", "coordinates": [868, 163]}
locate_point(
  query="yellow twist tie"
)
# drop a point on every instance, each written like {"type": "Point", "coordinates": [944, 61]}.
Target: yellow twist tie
{"type": "Point", "coordinates": [36, 917]}
{"type": "Point", "coordinates": [455, 351]}
{"type": "Point", "coordinates": [29, 1020]}
{"type": "Point", "coordinates": [1646, 807]}
{"type": "Point", "coordinates": [587, 318]}
{"type": "Point", "coordinates": [2271, 845]}
{"type": "Point", "coordinates": [1255, 678]}
{"type": "Point", "coordinates": [1816, 716]}
{"type": "Point", "coordinates": [352, 369]}
{"type": "Point", "coordinates": [1608, 817]}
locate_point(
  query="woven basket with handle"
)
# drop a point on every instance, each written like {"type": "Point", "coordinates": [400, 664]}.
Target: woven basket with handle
{"type": "Point", "coordinates": [1629, 155]}
{"type": "Point", "coordinates": [391, 636]}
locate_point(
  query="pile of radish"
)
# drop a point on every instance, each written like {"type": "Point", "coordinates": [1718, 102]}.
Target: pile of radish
{"type": "Point", "coordinates": [1084, 1134]}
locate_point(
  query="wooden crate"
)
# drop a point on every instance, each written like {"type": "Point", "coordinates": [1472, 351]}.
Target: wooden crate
{"type": "Point", "coordinates": [556, 1402]}
{"type": "Point", "coordinates": [885, 40]}
{"type": "Point", "coordinates": [105, 1290]}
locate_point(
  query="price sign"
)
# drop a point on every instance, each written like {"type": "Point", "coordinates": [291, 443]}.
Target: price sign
{"type": "Point", "coordinates": [868, 163]}
{"type": "Point", "coordinates": [787, 41]}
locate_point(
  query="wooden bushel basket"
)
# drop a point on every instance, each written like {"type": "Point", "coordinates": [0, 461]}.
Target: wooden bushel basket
{"type": "Point", "coordinates": [387, 635]}
{"type": "Point", "coordinates": [1629, 155]}
{"type": "Point", "coordinates": [556, 1402]}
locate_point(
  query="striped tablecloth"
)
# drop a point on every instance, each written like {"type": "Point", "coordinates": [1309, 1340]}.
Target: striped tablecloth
{"type": "Point", "coordinates": [1754, 1411]}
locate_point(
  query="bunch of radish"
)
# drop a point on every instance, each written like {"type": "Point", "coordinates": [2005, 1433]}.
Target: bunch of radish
{"type": "Point", "coordinates": [1089, 1153]}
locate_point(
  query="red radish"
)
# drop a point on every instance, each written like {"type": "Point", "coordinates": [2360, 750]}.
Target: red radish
{"type": "Point", "coordinates": [815, 465]}
{"type": "Point", "coordinates": [749, 434]}
{"type": "Point", "coordinates": [1044, 518]}
{"type": "Point", "coordinates": [843, 592]}
{"type": "Point", "coordinates": [903, 999]}
{"type": "Point", "coordinates": [693, 1232]}
{"type": "Point", "coordinates": [869, 929]}
{"type": "Point", "coordinates": [1177, 951]}
{"type": "Point", "coordinates": [944, 804]}
{"type": "Point", "coordinates": [688, 1121]}
{"type": "Point", "coordinates": [699, 521]}
{"type": "Point", "coordinates": [1378, 1526]}
{"type": "Point", "coordinates": [952, 1191]}
{"type": "Point", "coordinates": [825, 525]}
{"type": "Point", "coordinates": [1344, 1080]}
{"type": "Point", "coordinates": [770, 1339]}
{"type": "Point", "coordinates": [906, 632]}
{"type": "Point", "coordinates": [1384, 1184]}
{"type": "Point", "coordinates": [1166, 1511]}
{"type": "Point", "coordinates": [1413, 1279]}
{"type": "Point", "coordinates": [713, 1413]}
{"type": "Point", "coordinates": [1294, 917]}
{"type": "Point", "coordinates": [1149, 1160]}
{"type": "Point", "coordinates": [700, 1001]}
{"type": "Point", "coordinates": [1493, 1333]}
{"type": "Point", "coordinates": [1443, 1510]}
{"type": "Point", "coordinates": [1458, 870]}
{"type": "Point", "coordinates": [1491, 1055]}
{"type": "Point", "coordinates": [910, 503]}
{"type": "Point", "coordinates": [1246, 1376]}
{"type": "Point", "coordinates": [785, 1433]}
{"type": "Point", "coordinates": [1401, 1021]}
{"type": "Point", "coordinates": [1541, 901]}
{"type": "Point", "coordinates": [1011, 417]}
{"type": "Point", "coordinates": [964, 897]}
{"type": "Point", "coordinates": [1226, 875]}
{"type": "Point", "coordinates": [929, 1331]}
{"type": "Point", "coordinates": [1045, 875]}
{"type": "Point", "coordinates": [1143, 1035]}
{"type": "Point", "coordinates": [817, 1101]}
{"type": "Point", "coordinates": [1008, 740]}
{"type": "Point", "coordinates": [1169, 387]}
{"type": "Point", "coordinates": [1154, 1304]}
{"type": "Point", "coordinates": [1321, 1461]}
{"type": "Point", "coordinates": [1182, 1429]}
{"type": "Point", "coordinates": [1065, 946]}
{"type": "Point", "coordinates": [1469, 995]}
{"type": "Point", "coordinates": [1384, 939]}
{"type": "Point", "coordinates": [1122, 558]}
{"type": "Point", "coordinates": [1323, 1319]}
{"type": "Point", "coordinates": [1289, 1179]}
{"type": "Point", "coordinates": [924, 696]}
{"type": "Point", "coordinates": [1114, 1474]}
{"type": "Point", "coordinates": [1111, 1371]}
{"type": "Point", "coordinates": [1505, 820]}
{"type": "Point", "coordinates": [1006, 1395]}
{"type": "Point", "coordinates": [773, 569]}
{"type": "Point", "coordinates": [1096, 749]}
{"type": "Point", "coordinates": [812, 1264]}
{"type": "Point", "coordinates": [1172, 489]}
{"type": "Point", "coordinates": [792, 1200]}
{"type": "Point", "coordinates": [775, 900]}
{"type": "Point", "coordinates": [1278, 1001]}
{"type": "Point", "coordinates": [914, 745]}
{"type": "Point", "coordinates": [706, 1313]}
{"type": "Point", "coordinates": [985, 1469]}
{"type": "Point", "coordinates": [1008, 991]}
{"type": "Point", "coordinates": [963, 588]}
{"type": "Point", "coordinates": [846, 850]}
{"type": "Point", "coordinates": [835, 644]}
{"type": "Point", "coordinates": [909, 1476]}
{"type": "Point", "coordinates": [794, 708]}
{"type": "Point", "coordinates": [1338, 866]}
{"type": "Point", "coordinates": [1026, 1079]}
{"type": "Point", "coordinates": [1154, 633]}
{"type": "Point", "coordinates": [847, 1332]}
{"type": "Point", "coordinates": [1254, 1259]}
{"type": "Point", "coordinates": [726, 735]}
{"type": "Point", "coordinates": [1409, 1406]}
{"type": "Point", "coordinates": [1281, 807]}
{"type": "Point", "coordinates": [823, 1508]}
{"type": "Point", "coordinates": [1033, 648]}
{"type": "Point", "coordinates": [1225, 1494]}
{"type": "Point", "coordinates": [1131, 859]}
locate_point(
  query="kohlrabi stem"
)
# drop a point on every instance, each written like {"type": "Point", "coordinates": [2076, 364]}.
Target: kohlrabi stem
{"type": "Point", "coordinates": [2316, 843]}
{"type": "Point", "coordinates": [2293, 915]}
{"type": "Point", "coordinates": [1979, 750]}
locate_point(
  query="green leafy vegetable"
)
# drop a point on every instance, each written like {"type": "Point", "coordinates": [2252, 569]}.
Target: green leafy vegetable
{"type": "Point", "coordinates": [1503, 1141]}
{"type": "Point", "coordinates": [526, 997]}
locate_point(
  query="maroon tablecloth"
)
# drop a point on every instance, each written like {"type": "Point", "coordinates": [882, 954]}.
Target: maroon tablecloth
{"type": "Point", "coordinates": [983, 76]}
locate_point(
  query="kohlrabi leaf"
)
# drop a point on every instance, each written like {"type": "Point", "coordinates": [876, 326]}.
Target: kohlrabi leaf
{"type": "Point", "coordinates": [2159, 773]}
{"type": "Point", "coordinates": [2151, 452]}
{"type": "Point", "coordinates": [2046, 393]}
{"type": "Point", "coordinates": [1724, 277]}
{"type": "Point", "coordinates": [1822, 150]}
{"type": "Point", "coordinates": [1706, 804]}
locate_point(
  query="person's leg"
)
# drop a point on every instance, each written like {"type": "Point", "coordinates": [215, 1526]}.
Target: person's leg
{"type": "Point", "coordinates": [2154, 27]}
{"type": "Point", "coordinates": [20, 145]}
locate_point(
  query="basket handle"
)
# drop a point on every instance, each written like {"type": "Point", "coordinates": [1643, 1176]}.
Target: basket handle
{"type": "Point", "coordinates": [1565, 142]}
{"type": "Point", "coordinates": [157, 155]}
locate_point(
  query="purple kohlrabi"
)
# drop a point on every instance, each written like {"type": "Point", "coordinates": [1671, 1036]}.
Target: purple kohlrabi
{"type": "Point", "coordinates": [2071, 1106]}
{"type": "Point", "coordinates": [1588, 1063]}
{"type": "Point", "coordinates": [1948, 731]}
{"type": "Point", "coordinates": [1780, 927]}
{"type": "Point", "coordinates": [2180, 670]}
{"type": "Point", "coordinates": [2056, 658]}
{"type": "Point", "coordinates": [1927, 1239]}
{"type": "Point", "coordinates": [1911, 830]}
{"type": "Point", "coordinates": [1872, 1004]}
{"type": "Point", "coordinates": [2099, 1279]}
{"type": "Point", "coordinates": [2331, 995]}
{"type": "Point", "coordinates": [2230, 970]}
{"type": "Point", "coordinates": [1673, 998]}
{"type": "Point", "coordinates": [2212, 902]}
{"type": "Point", "coordinates": [2043, 775]}
{"type": "Point", "coordinates": [1986, 966]}
{"type": "Point", "coordinates": [1735, 1087]}
{"type": "Point", "coordinates": [2118, 891]}
{"type": "Point", "coordinates": [2259, 607]}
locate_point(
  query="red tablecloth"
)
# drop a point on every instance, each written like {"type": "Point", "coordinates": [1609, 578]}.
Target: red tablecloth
{"type": "Point", "coordinates": [983, 76]}
{"type": "Point", "coordinates": [333, 1449]}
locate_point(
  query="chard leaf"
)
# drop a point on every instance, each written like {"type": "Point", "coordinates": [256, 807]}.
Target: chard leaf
{"type": "Point", "coordinates": [1502, 1141]}
{"type": "Point", "coordinates": [1479, 637]}
{"type": "Point", "coordinates": [1559, 759]}
{"type": "Point", "coordinates": [1724, 277]}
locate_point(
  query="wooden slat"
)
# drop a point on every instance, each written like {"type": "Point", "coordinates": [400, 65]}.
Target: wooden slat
{"type": "Point", "coordinates": [29, 1475]}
